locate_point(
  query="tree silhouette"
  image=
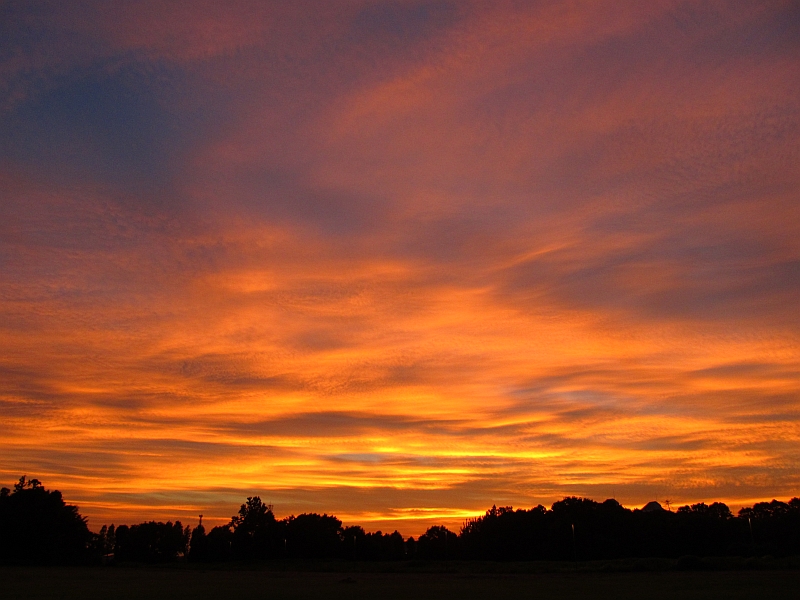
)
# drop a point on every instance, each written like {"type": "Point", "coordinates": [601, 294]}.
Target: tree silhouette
{"type": "Point", "coordinates": [256, 532]}
{"type": "Point", "coordinates": [198, 544]}
{"type": "Point", "coordinates": [506, 534]}
{"type": "Point", "coordinates": [219, 541]}
{"type": "Point", "coordinates": [775, 526]}
{"type": "Point", "coordinates": [310, 535]}
{"type": "Point", "coordinates": [357, 544]}
{"type": "Point", "coordinates": [104, 543]}
{"type": "Point", "coordinates": [37, 526]}
{"type": "Point", "coordinates": [151, 542]}
{"type": "Point", "coordinates": [353, 545]}
{"type": "Point", "coordinates": [439, 543]}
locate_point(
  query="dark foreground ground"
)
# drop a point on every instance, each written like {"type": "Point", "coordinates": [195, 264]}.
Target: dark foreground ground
{"type": "Point", "coordinates": [476, 580]}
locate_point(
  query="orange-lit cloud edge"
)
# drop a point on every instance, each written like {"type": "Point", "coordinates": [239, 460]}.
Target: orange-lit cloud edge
{"type": "Point", "coordinates": [525, 255]}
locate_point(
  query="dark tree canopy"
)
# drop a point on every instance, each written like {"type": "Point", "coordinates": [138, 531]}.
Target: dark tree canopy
{"type": "Point", "coordinates": [311, 535]}
{"type": "Point", "coordinates": [439, 543]}
{"type": "Point", "coordinates": [219, 542]}
{"type": "Point", "coordinates": [37, 526]}
{"type": "Point", "coordinates": [151, 542]}
{"type": "Point", "coordinates": [256, 532]}
{"type": "Point", "coordinates": [198, 543]}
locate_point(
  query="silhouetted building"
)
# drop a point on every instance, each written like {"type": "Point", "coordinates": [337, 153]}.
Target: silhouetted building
{"type": "Point", "coordinates": [652, 507]}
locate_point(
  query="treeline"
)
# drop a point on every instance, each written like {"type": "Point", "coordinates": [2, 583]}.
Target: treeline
{"type": "Point", "coordinates": [37, 526]}
{"type": "Point", "coordinates": [582, 529]}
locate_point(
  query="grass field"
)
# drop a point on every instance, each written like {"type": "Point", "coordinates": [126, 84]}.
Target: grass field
{"type": "Point", "coordinates": [120, 583]}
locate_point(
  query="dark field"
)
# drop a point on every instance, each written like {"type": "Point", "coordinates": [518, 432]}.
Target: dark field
{"type": "Point", "coordinates": [242, 584]}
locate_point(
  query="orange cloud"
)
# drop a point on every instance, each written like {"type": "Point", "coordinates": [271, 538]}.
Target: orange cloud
{"type": "Point", "coordinates": [404, 264]}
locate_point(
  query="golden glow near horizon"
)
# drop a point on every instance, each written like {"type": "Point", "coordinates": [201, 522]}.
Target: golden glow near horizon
{"type": "Point", "coordinates": [434, 258]}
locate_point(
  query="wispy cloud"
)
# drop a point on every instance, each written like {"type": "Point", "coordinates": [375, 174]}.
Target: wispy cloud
{"type": "Point", "coordinates": [399, 261]}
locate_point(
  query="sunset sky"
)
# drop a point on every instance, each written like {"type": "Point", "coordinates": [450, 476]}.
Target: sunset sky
{"type": "Point", "coordinates": [399, 261]}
